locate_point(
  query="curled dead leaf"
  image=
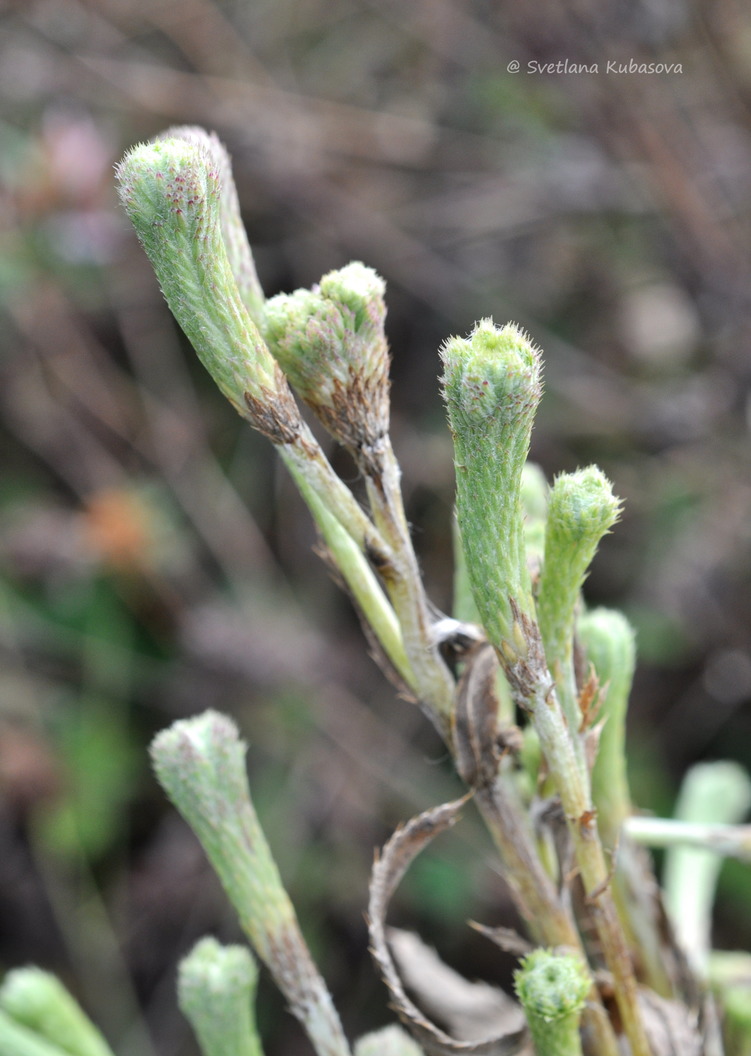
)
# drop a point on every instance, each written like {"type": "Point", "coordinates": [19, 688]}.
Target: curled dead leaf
{"type": "Point", "coordinates": [389, 868]}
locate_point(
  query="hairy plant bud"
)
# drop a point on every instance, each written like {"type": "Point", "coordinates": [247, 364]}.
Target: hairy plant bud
{"type": "Point", "coordinates": [330, 342]}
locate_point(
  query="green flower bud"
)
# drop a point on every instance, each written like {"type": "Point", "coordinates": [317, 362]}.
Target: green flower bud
{"type": "Point", "coordinates": [331, 344]}
{"type": "Point", "coordinates": [581, 509]}
{"type": "Point", "coordinates": [216, 988]}
{"type": "Point", "coordinates": [38, 1000]}
{"type": "Point", "coordinates": [171, 190]}
{"type": "Point", "coordinates": [552, 989]}
{"type": "Point", "coordinates": [492, 386]}
{"type": "Point", "coordinates": [200, 763]}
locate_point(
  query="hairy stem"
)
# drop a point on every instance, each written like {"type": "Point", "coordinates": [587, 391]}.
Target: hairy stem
{"type": "Point", "coordinates": [433, 681]}
{"type": "Point", "coordinates": [531, 685]}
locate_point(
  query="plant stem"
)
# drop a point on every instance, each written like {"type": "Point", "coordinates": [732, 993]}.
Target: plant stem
{"type": "Point", "coordinates": [434, 684]}
{"type": "Point", "coordinates": [535, 896]}
{"type": "Point", "coordinates": [306, 461]}
{"type": "Point", "coordinates": [609, 644]}
{"type": "Point", "coordinates": [531, 686]}
{"type": "Point", "coordinates": [729, 841]}
{"type": "Point", "coordinates": [359, 577]}
{"type": "Point", "coordinates": [17, 1040]}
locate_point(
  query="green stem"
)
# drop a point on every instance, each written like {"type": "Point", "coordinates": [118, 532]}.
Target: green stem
{"type": "Point", "coordinates": [530, 683]}
{"type": "Point", "coordinates": [433, 682]}
{"type": "Point", "coordinates": [728, 841]}
{"type": "Point", "coordinates": [306, 461]}
{"type": "Point", "coordinates": [358, 575]}
{"type": "Point", "coordinates": [608, 642]}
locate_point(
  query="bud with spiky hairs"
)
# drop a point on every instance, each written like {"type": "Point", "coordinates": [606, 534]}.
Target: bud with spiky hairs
{"type": "Point", "coordinates": [172, 191]}
{"type": "Point", "coordinates": [492, 386]}
{"type": "Point", "coordinates": [216, 987]}
{"type": "Point", "coordinates": [581, 510]}
{"type": "Point", "coordinates": [200, 763]}
{"type": "Point", "coordinates": [552, 989]}
{"type": "Point", "coordinates": [175, 193]}
{"type": "Point", "coordinates": [331, 344]}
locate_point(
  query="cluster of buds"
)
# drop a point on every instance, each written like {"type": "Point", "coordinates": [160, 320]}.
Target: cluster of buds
{"type": "Point", "coordinates": [331, 344]}
{"type": "Point", "coordinates": [523, 552]}
{"type": "Point", "coordinates": [179, 194]}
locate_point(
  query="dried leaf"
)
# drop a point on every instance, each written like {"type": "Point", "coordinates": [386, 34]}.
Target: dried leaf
{"type": "Point", "coordinates": [671, 1029]}
{"type": "Point", "coordinates": [640, 888]}
{"type": "Point", "coordinates": [550, 826]}
{"type": "Point", "coordinates": [389, 1041]}
{"type": "Point", "coordinates": [506, 939]}
{"type": "Point", "coordinates": [592, 743]}
{"type": "Point", "coordinates": [590, 700]}
{"type": "Point", "coordinates": [399, 852]}
{"type": "Point", "coordinates": [476, 718]}
{"type": "Point", "coordinates": [710, 1028]}
{"type": "Point", "coordinates": [469, 1010]}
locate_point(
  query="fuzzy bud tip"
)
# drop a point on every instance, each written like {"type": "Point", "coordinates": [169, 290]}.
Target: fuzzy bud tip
{"type": "Point", "coordinates": [494, 367]}
{"type": "Point", "coordinates": [551, 986]}
{"type": "Point", "coordinates": [583, 504]}
{"type": "Point", "coordinates": [167, 182]}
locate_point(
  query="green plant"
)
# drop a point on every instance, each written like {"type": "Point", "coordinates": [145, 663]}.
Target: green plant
{"type": "Point", "coordinates": [527, 688]}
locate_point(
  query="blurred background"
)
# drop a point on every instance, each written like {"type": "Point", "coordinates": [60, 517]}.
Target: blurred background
{"type": "Point", "coordinates": [154, 558]}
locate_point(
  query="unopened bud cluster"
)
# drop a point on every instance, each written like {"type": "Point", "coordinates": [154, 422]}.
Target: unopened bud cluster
{"type": "Point", "coordinates": [331, 344]}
